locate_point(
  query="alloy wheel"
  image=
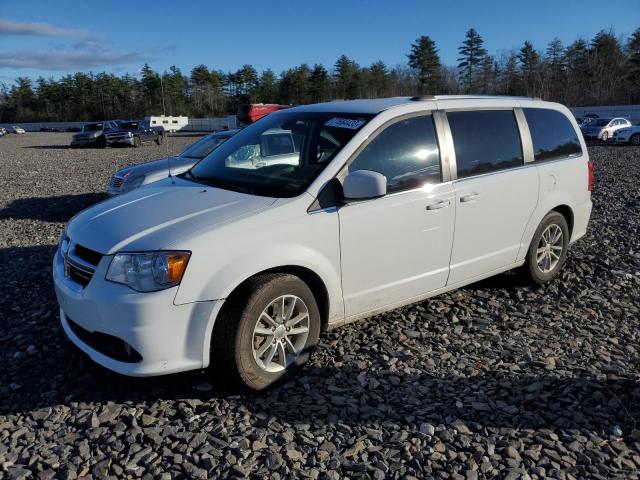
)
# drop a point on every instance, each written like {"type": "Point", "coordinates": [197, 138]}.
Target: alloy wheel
{"type": "Point", "coordinates": [549, 249]}
{"type": "Point", "coordinates": [280, 333]}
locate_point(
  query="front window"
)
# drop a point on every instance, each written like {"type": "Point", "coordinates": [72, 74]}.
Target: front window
{"type": "Point", "coordinates": [280, 155]}
{"type": "Point", "coordinates": [93, 127]}
{"type": "Point", "coordinates": [600, 123]}
{"type": "Point", "coordinates": [204, 146]}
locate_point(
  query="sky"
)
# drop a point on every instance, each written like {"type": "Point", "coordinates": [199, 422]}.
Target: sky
{"type": "Point", "coordinates": [53, 38]}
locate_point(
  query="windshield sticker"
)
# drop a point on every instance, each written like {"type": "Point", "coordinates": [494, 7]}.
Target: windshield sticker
{"type": "Point", "coordinates": [350, 123]}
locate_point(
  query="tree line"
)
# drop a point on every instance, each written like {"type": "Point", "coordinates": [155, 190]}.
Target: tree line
{"type": "Point", "coordinates": [602, 71]}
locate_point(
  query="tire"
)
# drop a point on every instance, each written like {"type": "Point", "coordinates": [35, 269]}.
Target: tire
{"type": "Point", "coordinates": [236, 344]}
{"type": "Point", "coordinates": [544, 270]}
{"type": "Point", "coordinates": [605, 136]}
{"type": "Point", "coordinates": [160, 139]}
{"type": "Point", "coordinates": [635, 139]}
{"type": "Point", "coordinates": [136, 142]}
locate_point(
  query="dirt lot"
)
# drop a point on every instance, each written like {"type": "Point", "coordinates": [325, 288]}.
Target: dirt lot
{"type": "Point", "coordinates": [497, 380]}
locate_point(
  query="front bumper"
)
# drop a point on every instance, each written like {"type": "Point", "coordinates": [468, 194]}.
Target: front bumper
{"type": "Point", "coordinates": [82, 142]}
{"type": "Point", "coordinates": [169, 338]}
{"type": "Point", "coordinates": [120, 141]}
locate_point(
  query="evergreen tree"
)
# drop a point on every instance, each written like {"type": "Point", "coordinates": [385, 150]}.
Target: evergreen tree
{"type": "Point", "coordinates": [472, 54]}
{"type": "Point", "coordinates": [319, 84]}
{"type": "Point", "coordinates": [346, 75]}
{"type": "Point", "coordinates": [633, 67]}
{"type": "Point", "coordinates": [529, 61]}
{"type": "Point", "coordinates": [425, 60]}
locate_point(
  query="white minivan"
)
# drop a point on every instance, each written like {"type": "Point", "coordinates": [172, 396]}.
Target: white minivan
{"type": "Point", "coordinates": [240, 265]}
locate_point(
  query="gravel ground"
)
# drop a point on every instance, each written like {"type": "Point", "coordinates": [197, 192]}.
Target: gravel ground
{"type": "Point", "coordinates": [497, 380]}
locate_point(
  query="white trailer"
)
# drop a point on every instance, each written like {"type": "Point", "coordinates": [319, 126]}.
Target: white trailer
{"type": "Point", "coordinates": [170, 124]}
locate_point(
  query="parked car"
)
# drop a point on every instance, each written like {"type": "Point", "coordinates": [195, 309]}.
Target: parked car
{"type": "Point", "coordinates": [135, 133]}
{"type": "Point", "coordinates": [3, 131]}
{"type": "Point", "coordinates": [603, 128]}
{"type": "Point", "coordinates": [93, 134]}
{"type": "Point", "coordinates": [240, 267]}
{"type": "Point", "coordinates": [629, 135]}
{"type": "Point", "coordinates": [130, 178]}
{"type": "Point", "coordinates": [16, 129]}
{"type": "Point", "coordinates": [253, 112]}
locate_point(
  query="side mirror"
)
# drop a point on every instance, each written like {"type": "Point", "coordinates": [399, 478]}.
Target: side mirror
{"type": "Point", "coordinates": [364, 185]}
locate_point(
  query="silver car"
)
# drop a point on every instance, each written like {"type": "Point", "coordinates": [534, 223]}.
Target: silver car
{"type": "Point", "coordinates": [130, 178]}
{"type": "Point", "coordinates": [93, 134]}
{"type": "Point", "coordinates": [603, 128]}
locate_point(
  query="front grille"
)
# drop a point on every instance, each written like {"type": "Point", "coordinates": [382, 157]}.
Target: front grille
{"type": "Point", "coordinates": [112, 347]}
{"type": "Point", "coordinates": [116, 182]}
{"type": "Point", "coordinates": [87, 255]}
{"type": "Point", "coordinates": [80, 264]}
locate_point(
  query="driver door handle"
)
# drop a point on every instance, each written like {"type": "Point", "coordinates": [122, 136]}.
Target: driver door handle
{"type": "Point", "coordinates": [439, 205]}
{"type": "Point", "coordinates": [470, 197]}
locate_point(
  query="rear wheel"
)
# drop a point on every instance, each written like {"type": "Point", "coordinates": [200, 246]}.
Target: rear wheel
{"type": "Point", "coordinates": [548, 250]}
{"type": "Point", "coordinates": [160, 139]}
{"type": "Point", "coordinates": [635, 139]}
{"type": "Point", "coordinates": [266, 333]}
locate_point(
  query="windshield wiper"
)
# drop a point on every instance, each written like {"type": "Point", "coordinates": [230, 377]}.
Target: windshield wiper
{"type": "Point", "coordinates": [217, 182]}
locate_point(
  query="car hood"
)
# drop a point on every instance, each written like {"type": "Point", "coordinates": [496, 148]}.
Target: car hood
{"type": "Point", "coordinates": [155, 216]}
{"type": "Point", "coordinates": [176, 165]}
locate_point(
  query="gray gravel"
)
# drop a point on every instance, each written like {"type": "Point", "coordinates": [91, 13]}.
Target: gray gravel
{"type": "Point", "coordinates": [497, 380]}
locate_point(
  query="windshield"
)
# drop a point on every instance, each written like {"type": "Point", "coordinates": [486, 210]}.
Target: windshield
{"type": "Point", "coordinates": [280, 155]}
{"type": "Point", "coordinates": [204, 146]}
{"type": "Point", "coordinates": [129, 125]}
{"type": "Point", "coordinates": [93, 127]}
{"type": "Point", "coordinates": [602, 122]}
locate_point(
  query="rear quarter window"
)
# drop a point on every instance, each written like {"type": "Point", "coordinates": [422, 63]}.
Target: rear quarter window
{"type": "Point", "coordinates": [552, 134]}
{"type": "Point", "coordinates": [485, 141]}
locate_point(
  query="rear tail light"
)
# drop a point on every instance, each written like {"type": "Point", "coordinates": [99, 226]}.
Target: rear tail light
{"type": "Point", "coordinates": [591, 176]}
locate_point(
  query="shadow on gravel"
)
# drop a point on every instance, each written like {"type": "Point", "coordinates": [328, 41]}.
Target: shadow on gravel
{"type": "Point", "coordinates": [39, 368]}
{"type": "Point", "coordinates": [50, 209]}
{"type": "Point", "coordinates": [48, 147]}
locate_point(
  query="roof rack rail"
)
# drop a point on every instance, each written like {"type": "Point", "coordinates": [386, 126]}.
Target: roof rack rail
{"type": "Point", "coordinates": [422, 98]}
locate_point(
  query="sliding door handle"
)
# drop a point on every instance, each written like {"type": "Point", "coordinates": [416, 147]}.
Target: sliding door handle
{"type": "Point", "coordinates": [470, 197]}
{"type": "Point", "coordinates": [439, 205]}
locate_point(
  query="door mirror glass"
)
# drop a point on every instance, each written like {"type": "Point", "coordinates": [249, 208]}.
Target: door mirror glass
{"type": "Point", "coordinates": [363, 185]}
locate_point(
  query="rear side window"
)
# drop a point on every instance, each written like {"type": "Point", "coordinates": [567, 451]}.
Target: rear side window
{"type": "Point", "coordinates": [405, 152]}
{"type": "Point", "coordinates": [552, 134]}
{"type": "Point", "coordinates": [485, 141]}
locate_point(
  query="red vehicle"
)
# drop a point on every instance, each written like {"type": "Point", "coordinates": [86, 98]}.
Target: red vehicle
{"type": "Point", "coordinates": [255, 111]}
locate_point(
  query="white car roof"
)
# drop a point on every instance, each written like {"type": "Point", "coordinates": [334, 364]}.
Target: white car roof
{"type": "Point", "coordinates": [377, 105]}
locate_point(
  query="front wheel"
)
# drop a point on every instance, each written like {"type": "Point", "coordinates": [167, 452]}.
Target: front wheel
{"type": "Point", "coordinates": [548, 250]}
{"type": "Point", "coordinates": [136, 142]}
{"type": "Point", "coordinates": [635, 139]}
{"type": "Point", "coordinates": [266, 333]}
{"type": "Point", "coordinates": [605, 136]}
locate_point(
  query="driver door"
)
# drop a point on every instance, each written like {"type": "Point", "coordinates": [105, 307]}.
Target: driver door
{"type": "Point", "coordinates": [397, 247]}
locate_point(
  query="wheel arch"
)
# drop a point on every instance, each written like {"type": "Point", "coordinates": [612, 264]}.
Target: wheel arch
{"type": "Point", "coordinates": [307, 275]}
{"type": "Point", "coordinates": [567, 213]}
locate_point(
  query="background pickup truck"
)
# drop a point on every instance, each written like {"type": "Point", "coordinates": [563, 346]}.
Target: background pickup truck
{"type": "Point", "coordinates": [135, 133]}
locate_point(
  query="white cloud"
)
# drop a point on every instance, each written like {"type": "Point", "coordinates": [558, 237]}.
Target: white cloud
{"type": "Point", "coordinates": [11, 28]}
{"type": "Point", "coordinates": [65, 60]}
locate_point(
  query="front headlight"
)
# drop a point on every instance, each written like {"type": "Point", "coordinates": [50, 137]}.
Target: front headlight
{"type": "Point", "coordinates": [150, 271]}
{"type": "Point", "coordinates": [132, 183]}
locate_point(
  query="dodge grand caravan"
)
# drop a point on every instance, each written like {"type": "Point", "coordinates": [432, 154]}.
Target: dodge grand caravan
{"type": "Point", "coordinates": [239, 263]}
